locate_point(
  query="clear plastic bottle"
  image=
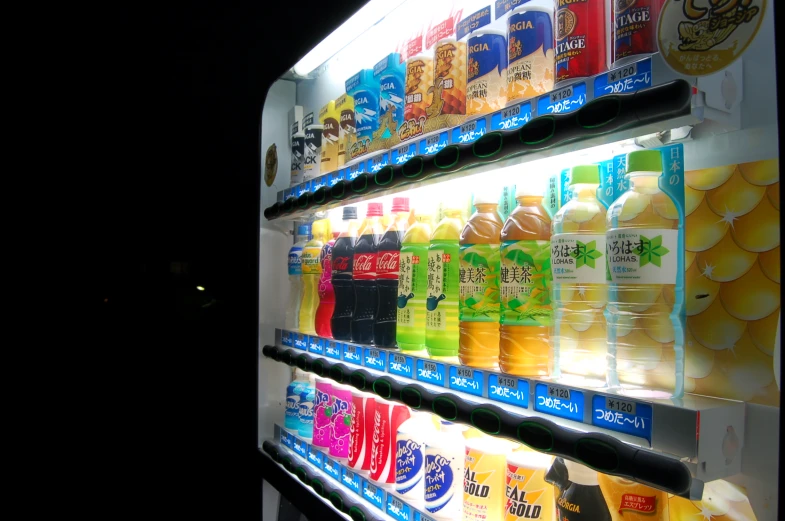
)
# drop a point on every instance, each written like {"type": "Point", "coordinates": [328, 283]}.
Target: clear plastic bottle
{"type": "Point", "coordinates": [441, 325]}
{"type": "Point", "coordinates": [296, 277]}
{"type": "Point", "coordinates": [312, 272]}
{"type": "Point", "coordinates": [580, 289]}
{"type": "Point", "coordinates": [413, 285]}
{"type": "Point", "coordinates": [526, 314]}
{"type": "Point", "coordinates": [645, 335]}
{"type": "Point", "coordinates": [479, 286]}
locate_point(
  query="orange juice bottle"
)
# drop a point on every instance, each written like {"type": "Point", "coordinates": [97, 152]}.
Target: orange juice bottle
{"type": "Point", "coordinates": [526, 314]}
{"type": "Point", "coordinates": [478, 344]}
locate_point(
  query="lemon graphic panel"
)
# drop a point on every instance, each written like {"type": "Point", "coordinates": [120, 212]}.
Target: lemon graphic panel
{"type": "Point", "coordinates": [751, 297]}
{"type": "Point", "coordinates": [689, 384]}
{"type": "Point", "coordinates": [698, 360]}
{"type": "Point", "coordinates": [651, 219]}
{"type": "Point", "coordinates": [657, 323]}
{"type": "Point", "coordinates": [773, 193]}
{"type": "Point", "coordinates": [726, 261]}
{"type": "Point", "coordinates": [763, 332]}
{"type": "Point", "coordinates": [708, 178]}
{"type": "Point", "coordinates": [715, 328]}
{"type": "Point", "coordinates": [703, 228]}
{"type": "Point", "coordinates": [761, 173]}
{"type": "Point", "coordinates": [759, 230]}
{"type": "Point", "coordinates": [737, 196]}
{"type": "Point", "coordinates": [729, 491]}
{"type": "Point", "coordinates": [770, 264]}
{"type": "Point", "coordinates": [769, 395]}
{"type": "Point", "coordinates": [689, 257]}
{"type": "Point", "coordinates": [692, 199]}
{"type": "Point", "coordinates": [700, 290]}
{"type": "Point", "coordinates": [664, 206]}
{"type": "Point", "coordinates": [739, 373]}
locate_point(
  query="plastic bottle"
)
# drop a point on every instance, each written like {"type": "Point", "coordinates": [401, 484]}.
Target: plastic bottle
{"type": "Point", "coordinates": [364, 88]}
{"type": "Point", "coordinates": [391, 74]}
{"type": "Point", "coordinates": [529, 496]}
{"type": "Point", "coordinates": [296, 278]}
{"type": "Point", "coordinates": [305, 413]}
{"type": "Point", "coordinates": [524, 347]}
{"type": "Point", "coordinates": [580, 289]}
{"type": "Point", "coordinates": [293, 392]}
{"type": "Point", "coordinates": [387, 272]}
{"type": "Point", "coordinates": [580, 497]}
{"type": "Point", "coordinates": [444, 470]}
{"type": "Point", "coordinates": [312, 272]}
{"type": "Point", "coordinates": [644, 328]}
{"type": "Point", "coordinates": [484, 483]}
{"type": "Point", "coordinates": [413, 285]}
{"type": "Point", "coordinates": [479, 286]}
{"type": "Point", "coordinates": [364, 275]}
{"type": "Point", "coordinates": [410, 455]}
{"type": "Point", "coordinates": [343, 264]}
{"type": "Point", "coordinates": [324, 312]}
{"type": "Point", "coordinates": [441, 328]}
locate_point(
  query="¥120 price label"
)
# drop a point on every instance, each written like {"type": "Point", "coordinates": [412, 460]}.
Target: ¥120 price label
{"type": "Point", "coordinates": [378, 162]}
{"type": "Point", "coordinates": [352, 354]}
{"type": "Point", "coordinates": [431, 372]}
{"type": "Point", "coordinates": [469, 132]}
{"type": "Point", "coordinates": [301, 341]}
{"type": "Point", "coordinates": [562, 101]}
{"type": "Point", "coordinates": [332, 469]}
{"type": "Point", "coordinates": [513, 117]}
{"type": "Point", "coordinates": [467, 380]}
{"type": "Point", "coordinates": [332, 349]}
{"type": "Point", "coordinates": [286, 338]}
{"type": "Point", "coordinates": [397, 509]}
{"type": "Point", "coordinates": [559, 401]}
{"type": "Point", "coordinates": [316, 345]}
{"type": "Point", "coordinates": [315, 457]}
{"type": "Point", "coordinates": [375, 359]}
{"type": "Point", "coordinates": [620, 415]}
{"type": "Point", "coordinates": [355, 170]}
{"type": "Point", "coordinates": [350, 480]}
{"type": "Point", "coordinates": [629, 78]}
{"type": "Point", "coordinates": [401, 365]}
{"type": "Point", "coordinates": [301, 448]}
{"type": "Point", "coordinates": [403, 153]}
{"type": "Point", "coordinates": [508, 389]}
{"type": "Point", "coordinates": [373, 494]}
{"type": "Point", "coordinates": [432, 144]}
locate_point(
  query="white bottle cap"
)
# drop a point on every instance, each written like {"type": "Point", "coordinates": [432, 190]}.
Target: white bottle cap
{"type": "Point", "coordinates": [580, 474]}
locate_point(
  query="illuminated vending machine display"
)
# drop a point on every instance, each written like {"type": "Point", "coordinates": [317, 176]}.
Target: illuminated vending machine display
{"type": "Point", "coordinates": [533, 261]}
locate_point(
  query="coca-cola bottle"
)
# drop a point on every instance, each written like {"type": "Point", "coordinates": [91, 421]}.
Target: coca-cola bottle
{"type": "Point", "coordinates": [387, 274]}
{"type": "Point", "coordinates": [364, 275]}
{"type": "Point", "coordinates": [343, 286]}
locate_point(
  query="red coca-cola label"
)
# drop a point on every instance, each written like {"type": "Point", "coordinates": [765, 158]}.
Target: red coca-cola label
{"type": "Point", "coordinates": [341, 263]}
{"type": "Point", "coordinates": [387, 265]}
{"type": "Point", "coordinates": [635, 27]}
{"type": "Point", "coordinates": [580, 38]}
{"type": "Point", "coordinates": [636, 503]}
{"type": "Point", "coordinates": [364, 266]}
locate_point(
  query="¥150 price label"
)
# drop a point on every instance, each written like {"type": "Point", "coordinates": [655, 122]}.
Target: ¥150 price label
{"type": "Point", "coordinates": [375, 359]}
{"type": "Point", "coordinates": [509, 390]}
{"type": "Point", "coordinates": [401, 365]}
{"type": "Point", "coordinates": [332, 349]}
{"type": "Point", "coordinates": [467, 380]}
{"type": "Point", "coordinates": [397, 509]}
{"type": "Point", "coordinates": [352, 354]}
{"type": "Point", "coordinates": [431, 372]}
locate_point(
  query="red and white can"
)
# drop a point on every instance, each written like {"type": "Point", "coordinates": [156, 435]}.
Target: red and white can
{"type": "Point", "coordinates": [579, 31]}
{"type": "Point", "coordinates": [363, 408]}
{"type": "Point", "coordinates": [388, 416]}
{"type": "Point", "coordinates": [634, 30]}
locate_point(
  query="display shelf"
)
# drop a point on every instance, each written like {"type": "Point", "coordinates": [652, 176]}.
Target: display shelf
{"type": "Point", "coordinates": [597, 121]}
{"type": "Point", "coordinates": [380, 500]}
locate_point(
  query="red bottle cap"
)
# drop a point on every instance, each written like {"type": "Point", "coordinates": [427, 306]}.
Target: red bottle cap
{"type": "Point", "coordinates": [400, 204]}
{"type": "Point", "coordinates": [374, 210]}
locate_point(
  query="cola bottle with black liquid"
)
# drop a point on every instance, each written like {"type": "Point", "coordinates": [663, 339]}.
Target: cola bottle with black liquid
{"type": "Point", "coordinates": [387, 266]}
{"type": "Point", "coordinates": [364, 275]}
{"type": "Point", "coordinates": [342, 267]}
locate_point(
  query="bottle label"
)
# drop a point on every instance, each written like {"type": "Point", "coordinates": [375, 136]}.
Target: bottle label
{"type": "Point", "coordinates": [305, 411]}
{"type": "Point", "coordinates": [387, 265]}
{"type": "Point", "coordinates": [479, 283]}
{"type": "Point", "coordinates": [642, 256]}
{"type": "Point", "coordinates": [364, 266]}
{"type": "Point", "coordinates": [293, 402]}
{"type": "Point", "coordinates": [409, 464]}
{"type": "Point", "coordinates": [439, 482]}
{"type": "Point", "coordinates": [311, 260]}
{"type": "Point", "coordinates": [342, 264]}
{"type": "Point", "coordinates": [295, 255]}
{"type": "Point", "coordinates": [526, 283]}
{"type": "Point", "coordinates": [439, 264]}
{"type": "Point", "coordinates": [529, 496]}
{"type": "Point", "coordinates": [578, 258]}
{"type": "Point", "coordinates": [409, 267]}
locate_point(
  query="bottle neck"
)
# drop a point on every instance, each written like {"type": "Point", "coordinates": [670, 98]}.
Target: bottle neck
{"type": "Point", "coordinates": [486, 207]}
{"type": "Point", "coordinates": [645, 182]}
{"type": "Point", "coordinates": [529, 200]}
{"type": "Point", "coordinates": [584, 191]}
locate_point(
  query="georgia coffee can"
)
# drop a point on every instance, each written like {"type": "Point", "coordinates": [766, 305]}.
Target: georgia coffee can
{"type": "Point", "coordinates": [634, 28]}
{"type": "Point", "coordinates": [530, 52]}
{"type": "Point", "coordinates": [487, 72]}
{"type": "Point", "coordinates": [449, 77]}
{"type": "Point", "coordinates": [580, 39]}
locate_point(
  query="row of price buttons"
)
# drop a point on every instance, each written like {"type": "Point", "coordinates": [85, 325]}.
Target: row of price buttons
{"type": "Point", "coordinates": [607, 412]}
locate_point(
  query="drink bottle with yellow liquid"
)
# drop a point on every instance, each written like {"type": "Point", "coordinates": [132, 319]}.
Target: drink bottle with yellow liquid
{"type": "Point", "coordinates": [441, 321]}
{"type": "Point", "coordinates": [478, 344]}
{"type": "Point", "coordinates": [645, 302]}
{"type": "Point", "coordinates": [526, 315]}
{"type": "Point", "coordinates": [580, 289]}
{"type": "Point", "coordinates": [312, 272]}
{"type": "Point", "coordinates": [413, 285]}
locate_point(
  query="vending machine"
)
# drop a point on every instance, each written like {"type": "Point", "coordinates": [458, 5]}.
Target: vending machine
{"type": "Point", "coordinates": [521, 260]}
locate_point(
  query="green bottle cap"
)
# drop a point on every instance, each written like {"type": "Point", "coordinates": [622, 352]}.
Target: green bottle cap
{"type": "Point", "coordinates": [644, 161]}
{"type": "Point", "coordinates": [585, 174]}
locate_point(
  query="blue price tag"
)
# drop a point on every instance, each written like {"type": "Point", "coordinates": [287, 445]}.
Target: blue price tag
{"type": "Point", "coordinates": [375, 359]}
{"type": "Point", "coordinates": [559, 401]}
{"type": "Point", "coordinates": [301, 448]}
{"type": "Point", "coordinates": [630, 78]}
{"type": "Point", "coordinates": [419, 516]}
{"type": "Point", "coordinates": [332, 469]}
{"type": "Point", "coordinates": [287, 439]}
{"type": "Point", "coordinates": [373, 494]}
{"type": "Point", "coordinates": [401, 365]}
{"type": "Point", "coordinates": [467, 380]}
{"type": "Point", "coordinates": [315, 457]}
{"type": "Point", "coordinates": [473, 22]}
{"type": "Point", "coordinates": [469, 132]}
{"type": "Point", "coordinates": [332, 349]}
{"type": "Point", "coordinates": [286, 338]}
{"type": "Point", "coordinates": [338, 175]}
{"type": "Point", "coordinates": [397, 509]}
{"type": "Point", "coordinates": [432, 144]}
{"type": "Point", "coordinates": [287, 194]}
{"type": "Point", "coordinates": [319, 182]}
{"type": "Point", "coordinates": [512, 117]}
{"type": "Point", "coordinates": [354, 170]}
{"type": "Point", "coordinates": [431, 372]}
{"type": "Point", "coordinates": [562, 101]}
{"type": "Point", "coordinates": [301, 189]}
{"type": "Point", "coordinates": [508, 389]}
{"type": "Point", "coordinates": [376, 163]}
{"type": "Point", "coordinates": [352, 354]}
{"type": "Point", "coordinates": [622, 416]}
{"type": "Point", "coordinates": [280, 197]}
{"type": "Point", "coordinates": [403, 153]}
{"type": "Point", "coordinates": [315, 345]}
{"type": "Point", "coordinates": [301, 341]}
{"type": "Point", "coordinates": [350, 480]}
{"type": "Point", "coordinates": [504, 6]}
